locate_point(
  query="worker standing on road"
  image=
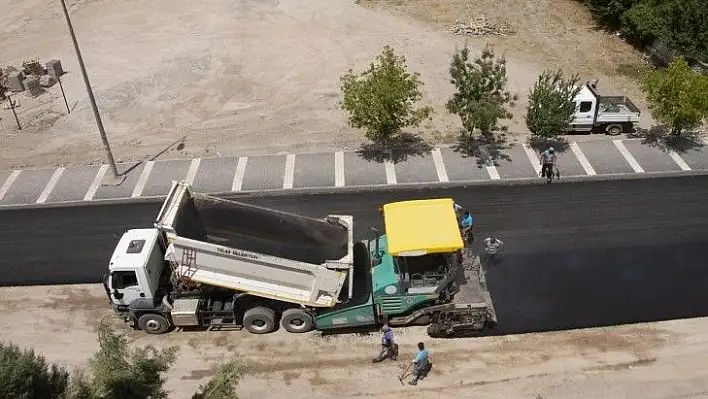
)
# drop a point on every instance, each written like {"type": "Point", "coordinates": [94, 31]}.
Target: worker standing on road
{"type": "Point", "coordinates": [492, 246]}
{"type": "Point", "coordinates": [548, 159]}
{"type": "Point", "coordinates": [466, 225]}
{"type": "Point", "coordinates": [421, 365]}
{"type": "Point", "coordinates": [388, 347]}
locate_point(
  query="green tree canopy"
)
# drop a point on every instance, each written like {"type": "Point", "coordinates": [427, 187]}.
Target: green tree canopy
{"type": "Point", "coordinates": [482, 99]}
{"type": "Point", "coordinates": [677, 96]}
{"type": "Point", "coordinates": [551, 104]}
{"type": "Point", "coordinates": [119, 372]}
{"type": "Point", "coordinates": [223, 384]}
{"type": "Point", "coordinates": [26, 375]}
{"type": "Point", "coordinates": [382, 99]}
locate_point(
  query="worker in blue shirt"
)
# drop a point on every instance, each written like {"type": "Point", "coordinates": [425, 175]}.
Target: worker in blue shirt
{"type": "Point", "coordinates": [388, 347]}
{"type": "Point", "coordinates": [421, 365]}
{"type": "Point", "coordinates": [467, 224]}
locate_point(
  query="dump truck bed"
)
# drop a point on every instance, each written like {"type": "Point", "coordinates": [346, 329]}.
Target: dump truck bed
{"type": "Point", "coordinates": [616, 109]}
{"type": "Point", "coordinates": [255, 250]}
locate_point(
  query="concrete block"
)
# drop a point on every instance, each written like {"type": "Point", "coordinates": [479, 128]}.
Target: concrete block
{"type": "Point", "coordinates": [47, 81]}
{"type": "Point", "coordinates": [32, 85]}
{"type": "Point", "coordinates": [15, 81]}
{"type": "Point", "coordinates": [54, 68]}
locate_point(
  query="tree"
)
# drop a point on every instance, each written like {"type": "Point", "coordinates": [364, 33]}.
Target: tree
{"type": "Point", "coordinates": [677, 96]}
{"type": "Point", "coordinates": [118, 372]}
{"type": "Point", "coordinates": [551, 104]}
{"type": "Point", "coordinates": [610, 12]}
{"type": "Point", "coordinates": [26, 375]}
{"type": "Point", "coordinates": [382, 99]}
{"type": "Point", "coordinates": [223, 384]}
{"type": "Point", "coordinates": [481, 99]}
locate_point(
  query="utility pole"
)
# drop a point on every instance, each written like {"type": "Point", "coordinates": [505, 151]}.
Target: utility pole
{"type": "Point", "coordinates": [63, 95]}
{"type": "Point", "coordinates": [92, 100]}
{"type": "Point", "coordinates": [12, 106]}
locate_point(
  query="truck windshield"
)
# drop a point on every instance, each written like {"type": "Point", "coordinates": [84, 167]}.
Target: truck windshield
{"type": "Point", "coordinates": [123, 279]}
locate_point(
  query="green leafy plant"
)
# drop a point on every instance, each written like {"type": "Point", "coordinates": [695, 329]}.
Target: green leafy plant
{"type": "Point", "coordinates": [381, 100]}
{"type": "Point", "coordinates": [551, 104]}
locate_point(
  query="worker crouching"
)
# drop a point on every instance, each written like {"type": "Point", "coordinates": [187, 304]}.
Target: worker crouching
{"type": "Point", "coordinates": [389, 349]}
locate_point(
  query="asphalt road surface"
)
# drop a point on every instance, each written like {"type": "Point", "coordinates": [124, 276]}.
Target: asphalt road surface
{"type": "Point", "coordinates": [576, 255]}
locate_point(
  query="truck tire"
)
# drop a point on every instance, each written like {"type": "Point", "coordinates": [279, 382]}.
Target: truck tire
{"type": "Point", "coordinates": [153, 323]}
{"type": "Point", "coordinates": [259, 320]}
{"type": "Point", "coordinates": [614, 129]}
{"type": "Point", "coordinates": [297, 320]}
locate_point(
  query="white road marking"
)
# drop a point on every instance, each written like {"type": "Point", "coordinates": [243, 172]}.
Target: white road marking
{"type": "Point", "coordinates": [679, 161]}
{"type": "Point", "coordinates": [240, 173]}
{"type": "Point", "coordinates": [390, 173]}
{"type": "Point", "coordinates": [96, 183]}
{"type": "Point", "coordinates": [628, 156]}
{"type": "Point", "coordinates": [440, 165]}
{"type": "Point", "coordinates": [589, 170]}
{"type": "Point", "coordinates": [142, 181]}
{"type": "Point", "coordinates": [535, 162]}
{"type": "Point", "coordinates": [8, 183]}
{"type": "Point", "coordinates": [493, 174]}
{"type": "Point", "coordinates": [339, 169]}
{"type": "Point", "coordinates": [289, 171]}
{"type": "Point", "coordinates": [193, 168]}
{"type": "Point", "coordinates": [50, 185]}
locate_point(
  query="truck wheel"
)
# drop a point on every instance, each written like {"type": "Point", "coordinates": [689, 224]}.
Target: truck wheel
{"type": "Point", "coordinates": [153, 323]}
{"type": "Point", "coordinates": [259, 320]}
{"type": "Point", "coordinates": [297, 321]}
{"type": "Point", "coordinates": [614, 130]}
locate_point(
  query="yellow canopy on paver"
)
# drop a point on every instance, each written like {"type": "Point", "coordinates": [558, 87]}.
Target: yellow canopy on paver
{"type": "Point", "coordinates": [419, 227]}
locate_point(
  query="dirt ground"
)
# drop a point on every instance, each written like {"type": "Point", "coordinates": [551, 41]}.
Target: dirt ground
{"type": "Point", "coordinates": [656, 360]}
{"type": "Point", "coordinates": [243, 77]}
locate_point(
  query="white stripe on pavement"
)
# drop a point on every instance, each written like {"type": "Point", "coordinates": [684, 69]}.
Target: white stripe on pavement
{"type": "Point", "coordinates": [8, 183]}
{"type": "Point", "coordinates": [679, 161]}
{"type": "Point", "coordinates": [240, 174]}
{"type": "Point", "coordinates": [390, 173]}
{"type": "Point", "coordinates": [96, 183]}
{"type": "Point", "coordinates": [589, 170]}
{"type": "Point", "coordinates": [493, 174]}
{"type": "Point", "coordinates": [142, 181]}
{"type": "Point", "coordinates": [339, 169]}
{"type": "Point", "coordinates": [289, 171]}
{"type": "Point", "coordinates": [50, 185]}
{"type": "Point", "coordinates": [628, 156]}
{"type": "Point", "coordinates": [193, 168]}
{"type": "Point", "coordinates": [535, 162]}
{"type": "Point", "coordinates": [440, 165]}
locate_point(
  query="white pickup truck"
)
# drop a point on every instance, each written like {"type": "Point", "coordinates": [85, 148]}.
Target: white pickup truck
{"type": "Point", "coordinates": [612, 115]}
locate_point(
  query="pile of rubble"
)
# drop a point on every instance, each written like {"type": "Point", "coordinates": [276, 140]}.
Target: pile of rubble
{"type": "Point", "coordinates": [33, 77]}
{"type": "Point", "coordinates": [479, 26]}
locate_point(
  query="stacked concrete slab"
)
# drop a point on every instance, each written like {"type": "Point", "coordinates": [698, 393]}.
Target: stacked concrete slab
{"type": "Point", "coordinates": [54, 68]}
{"type": "Point", "coordinates": [15, 81]}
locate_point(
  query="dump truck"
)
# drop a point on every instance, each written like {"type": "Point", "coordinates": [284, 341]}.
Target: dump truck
{"type": "Point", "coordinates": [612, 115]}
{"type": "Point", "coordinates": [215, 263]}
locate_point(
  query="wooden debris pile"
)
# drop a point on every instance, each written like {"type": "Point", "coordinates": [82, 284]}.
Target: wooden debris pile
{"type": "Point", "coordinates": [480, 26]}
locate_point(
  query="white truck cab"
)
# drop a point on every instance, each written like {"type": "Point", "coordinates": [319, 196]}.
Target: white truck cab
{"type": "Point", "coordinates": [135, 267]}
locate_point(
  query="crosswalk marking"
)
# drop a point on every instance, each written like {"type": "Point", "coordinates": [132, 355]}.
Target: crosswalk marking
{"type": "Point", "coordinates": [589, 170]}
{"type": "Point", "coordinates": [140, 186]}
{"type": "Point", "coordinates": [240, 174]}
{"type": "Point", "coordinates": [679, 161]}
{"type": "Point", "coordinates": [493, 173]}
{"type": "Point", "coordinates": [339, 169]}
{"type": "Point", "coordinates": [50, 185]}
{"type": "Point", "coordinates": [535, 162]}
{"type": "Point", "coordinates": [289, 171]}
{"type": "Point", "coordinates": [391, 173]}
{"type": "Point", "coordinates": [96, 183]}
{"type": "Point", "coordinates": [628, 156]}
{"type": "Point", "coordinates": [8, 183]}
{"type": "Point", "coordinates": [193, 169]}
{"type": "Point", "coordinates": [440, 166]}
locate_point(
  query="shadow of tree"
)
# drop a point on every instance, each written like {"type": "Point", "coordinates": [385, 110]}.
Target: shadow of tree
{"type": "Point", "coordinates": [485, 151]}
{"type": "Point", "coordinates": [659, 136]}
{"type": "Point", "coordinates": [559, 144]}
{"type": "Point", "coordinates": [396, 150]}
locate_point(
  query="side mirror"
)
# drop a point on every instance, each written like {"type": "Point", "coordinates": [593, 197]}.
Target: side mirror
{"type": "Point", "coordinates": [117, 295]}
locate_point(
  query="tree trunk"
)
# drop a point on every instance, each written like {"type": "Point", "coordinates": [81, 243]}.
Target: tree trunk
{"type": "Point", "coordinates": [676, 131]}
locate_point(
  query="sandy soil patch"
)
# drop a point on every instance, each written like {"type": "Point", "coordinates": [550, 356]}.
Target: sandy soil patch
{"type": "Point", "coordinates": [647, 360]}
{"type": "Point", "coordinates": [244, 77]}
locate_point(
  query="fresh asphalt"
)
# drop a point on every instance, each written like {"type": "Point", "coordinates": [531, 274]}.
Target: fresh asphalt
{"type": "Point", "coordinates": [576, 254]}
